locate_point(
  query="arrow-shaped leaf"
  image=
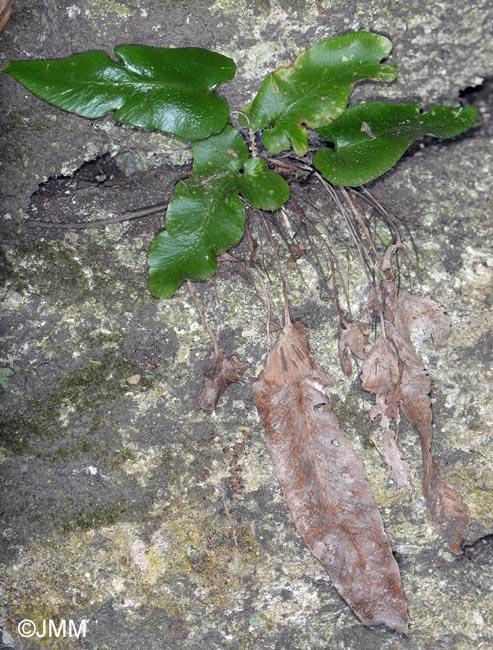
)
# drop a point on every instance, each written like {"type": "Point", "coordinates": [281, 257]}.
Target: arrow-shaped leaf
{"type": "Point", "coordinates": [157, 88]}
{"type": "Point", "coordinates": [370, 138]}
{"type": "Point", "coordinates": [205, 217]}
{"type": "Point", "coordinates": [315, 88]}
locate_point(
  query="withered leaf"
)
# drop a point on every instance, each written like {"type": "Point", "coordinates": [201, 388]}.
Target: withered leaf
{"type": "Point", "coordinates": [396, 374]}
{"type": "Point", "coordinates": [324, 485]}
{"type": "Point", "coordinates": [381, 374]}
{"type": "Point", "coordinates": [351, 339]}
{"type": "Point", "coordinates": [447, 509]}
{"type": "Point", "coordinates": [5, 11]}
{"type": "Point", "coordinates": [296, 250]}
{"type": "Point", "coordinates": [223, 372]}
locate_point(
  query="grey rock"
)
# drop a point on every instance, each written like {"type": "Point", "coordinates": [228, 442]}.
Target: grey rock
{"type": "Point", "coordinates": [122, 504]}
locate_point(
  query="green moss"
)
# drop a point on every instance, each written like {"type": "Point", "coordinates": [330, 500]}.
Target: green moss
{"type": "Point", "coordinates": [97, 382]}
{"type": "Point", "coordinates": [122, 455]}
{"type": "Point", "coordinates": [222, 554]}
{"type": "Point", "coordinates": [26, 119]}
{"type": "Point", "coordinates": [16, 431]}
{"type": "Point", "coordinates": [85, 390]}
{"type": "Point", "coordinates": [5, 373]}
{"type": "Point", "coordinates": [89, 270]}
{"type": "Point", "coordinates": [39, 263]}
{"type": "Point", "coordinates": [90, 518]}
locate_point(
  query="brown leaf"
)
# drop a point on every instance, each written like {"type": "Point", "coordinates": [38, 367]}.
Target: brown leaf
{"type": "Point", "coordinates": [351, 339]}
{"type": "Point", "coordinates": [395, 373]}
{"type": "Point", "coordinates": [448, 511]}
{"type": "Point", "coordinates": [223, 372]}
{"type": "Point", "coordinates": [296, 250]}
{"type": "Point", "coordinates": [387, 447]}
{"type": "Point", "coordinates": [324, 485]}
{"type": "Point", "coordinates": [5, 11]}
{"type": "Point", "coordinates": [381, 374]}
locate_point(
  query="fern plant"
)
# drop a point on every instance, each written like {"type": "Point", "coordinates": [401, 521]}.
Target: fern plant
{"type": "Point", "coordinates": [173, 90]}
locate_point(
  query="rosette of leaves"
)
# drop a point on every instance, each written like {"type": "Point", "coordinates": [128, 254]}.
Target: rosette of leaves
{"type": "Point", "coordinates": [206, 215]}
{"type": "Point", "coordinates": [173, 90]}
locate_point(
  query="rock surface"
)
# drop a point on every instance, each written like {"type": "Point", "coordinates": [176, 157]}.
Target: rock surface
{"type": "Point", "coordinates": [123, 504]}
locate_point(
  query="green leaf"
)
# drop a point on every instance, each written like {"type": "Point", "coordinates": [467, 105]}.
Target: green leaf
{"type": "Point", "coordinates": [370, 138]}
{"type": "Point", "coordinates": [225, 152]}
{"type": "Point", "coordinates": [262, 188]}
{"type": "Point", "coordinates": [205, 217]}
{"type": "Point", "coordinates": [315, 88]}
{"type": "Point", "coordinates": [157, 88]}
{"type": "Point", "coordinates": [202, 221]}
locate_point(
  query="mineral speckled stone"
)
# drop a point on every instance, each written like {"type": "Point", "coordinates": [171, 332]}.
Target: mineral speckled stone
{"type": "Point", "coordinates": [123, 504]}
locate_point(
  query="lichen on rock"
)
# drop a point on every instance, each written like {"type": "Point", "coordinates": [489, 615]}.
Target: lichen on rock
{"type": "Point", "coordinates": [123, 504]}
